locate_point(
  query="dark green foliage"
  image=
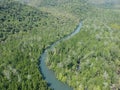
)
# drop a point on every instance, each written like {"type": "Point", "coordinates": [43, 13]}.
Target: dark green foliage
{"type": "Point", "coordinates": [22, 18]}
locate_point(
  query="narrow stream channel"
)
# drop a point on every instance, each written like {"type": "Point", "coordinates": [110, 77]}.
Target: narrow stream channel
{"type": "Point", "coordinates": [48, 74]}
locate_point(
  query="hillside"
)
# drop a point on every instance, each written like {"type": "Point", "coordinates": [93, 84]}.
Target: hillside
{"type": "Point", "coordinates": [67, 8]}
{"type": "Point", "coordinates": [17, 21]}
{"type": "Point", "coordinates": [88, 61]}
{"type": "Point", "coordinates": [91, 59]}
{"type": "Point", "coordinates": [24, 33]}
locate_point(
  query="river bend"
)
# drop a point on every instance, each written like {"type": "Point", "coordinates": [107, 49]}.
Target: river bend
{"type": "Point", "coordinates": [48, 74]}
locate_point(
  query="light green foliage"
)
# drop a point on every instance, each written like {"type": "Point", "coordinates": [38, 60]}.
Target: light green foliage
{"type": "Point", "coordinates": [90, 59]}
{"type": "Point", "coordinates": [24, 33]}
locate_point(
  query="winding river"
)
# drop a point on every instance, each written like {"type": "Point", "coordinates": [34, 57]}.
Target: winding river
{"type": "Point", "coordinates": [48, 74]}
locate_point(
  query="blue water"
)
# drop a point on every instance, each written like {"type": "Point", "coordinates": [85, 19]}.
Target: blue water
{"type": "Point", "coordinates": [48, 74]}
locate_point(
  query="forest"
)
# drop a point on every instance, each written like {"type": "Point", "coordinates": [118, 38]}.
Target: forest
{"type": "Point", "coordinates": [89, 60]}
{"type": "Point", "coordinates": [24, 32]}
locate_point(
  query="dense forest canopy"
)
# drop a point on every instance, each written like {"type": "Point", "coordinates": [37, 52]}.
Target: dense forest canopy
{"type": "Point", "coordinates": [24, 33]}
{"type": "Point", "coordinates": [88, 61]}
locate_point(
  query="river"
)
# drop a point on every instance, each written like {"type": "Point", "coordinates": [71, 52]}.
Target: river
{"type": "Point", "coordinates": [48, 74]}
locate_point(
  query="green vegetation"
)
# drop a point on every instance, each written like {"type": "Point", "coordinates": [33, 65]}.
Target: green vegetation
{"type": "Point", "coordinates": [90, 60]}
{"type": "Point", "coordinates": [24, 33]}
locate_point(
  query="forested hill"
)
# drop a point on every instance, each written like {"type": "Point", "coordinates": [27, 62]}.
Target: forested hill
{"type": "Point", "coordinates": [24, 32]}
{"type": "Point", "coordinates": [16, 17]}
{"type": "Point", "coordinates": [15, 20]}
{"type": "Point", "coordinates": [88, 61]}
{"type": "Point", "coordinates": [77, 8]}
